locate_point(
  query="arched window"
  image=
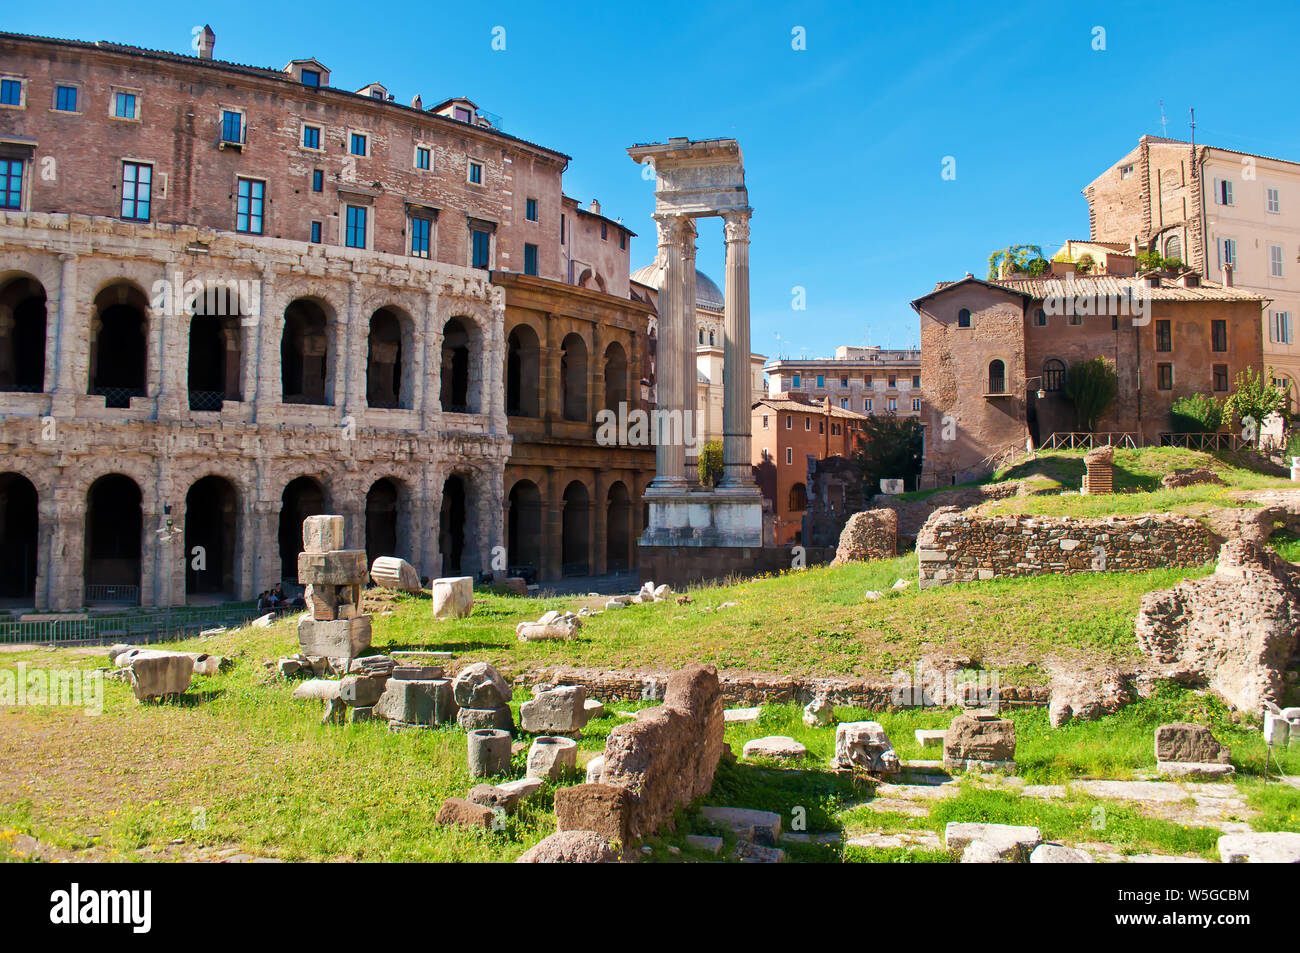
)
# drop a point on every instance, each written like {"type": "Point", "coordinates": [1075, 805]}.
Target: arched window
{"type": "Point", "coordinates": [963, 318]}
{"type": "Point", "coordinates": [1053, 375]}
{"type": "Point", "coordinates": [798, 498]}
{"type": "Point", "coordinates": [1174, 247]}
{"type": "Point", "coordinates": [997, 377]}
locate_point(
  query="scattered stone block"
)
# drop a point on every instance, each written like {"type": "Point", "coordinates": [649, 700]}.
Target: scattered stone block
{"type": "Point", "coordinates": [421, 703]}
{"type": "Point", "coordinates": [705, 843]}
{"type": "Point", "coordinates": [471, 719]}
{"type": "Point", "coordinates": [774, 746]}
{"type": "Point", "coordinates": [363, 713]}
{"type": "Point", "coordinates": [551, 756]}
{"type": "Point", "coordinates": [417, 672]}
{"type": "Point", "coordinates": [340, 567]}
{"type": "Point", "coordinates": [390, 572]}
{"type": "Point", "coordinates": [453, 597]}
{"type": "Point", "coordinates": [560, 631]}
{"type": "Point", "coordinates": [616, 604]}
{"type": "Point", "coordinates": [760, 827]}
{"type": "Point", "coordinates": [362, 691]}
{"type": "Point", "coordinates": [263, 621]}
{"type": "Point", "coordinates": [557, 711]}
{"type": "Point", "coordinates": [740, 716]}
{"type": "Point", "coordinates": [1275, 847]}
{"type": "Point", "coordinates": [336, 712]}
{"type": "Point", "coordinates": [1059, 854]}
{"type": "Point", "coordinates": [489, 752]}
{"type": "Point", "coordinates": [479, 685]}
{"type": "Point", "coordinates": [749, 853]}
{"type": "Point", "coordinates": [930, 737]}
{"type": "Point", "coordinates": [1184, 741]}
{"type": "Point", "coordinates": [594, 767]}
{"type": "Point", "coordinates": [322, 534]}
{"type": "Point", "coordinates": [334, 638]}
{"type": "Point", "coordinates": [459, 812]}
{"type": "Point", "coordinates": [160, 674]}
{"type": "Point", "coordinates": [1007, 842]}
{"type": "Point", "coordinates": [871, 534]}
{"type": "Point", "coordinates": [980, 740]}
{"type": "Point", "coordinates": [865, 745]}
{"type": "Point", "coordinates": [524, 787]}
{"type": "Point", "coordinates": [593, 708]}
{"type": "Point", "coordinates": [323, 688]}
{"type": "Point", "coordinates": [1193, 769]}
{"type": "Point", "coordinates": [603, 808]}
{"type": "Point", "coordinates": [493, 797]}
{"type": "Point", "coordinates": [819, 713]}
{"type": "Point", "coordinates": [570, 847]}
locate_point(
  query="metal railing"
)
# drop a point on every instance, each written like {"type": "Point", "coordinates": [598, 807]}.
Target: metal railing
{"type": "Point", "coordinates": [206, 399]}
{"type": "Point", "coordinates": [128, 595]}
{"type": "Point", "coordinates": [155, 625]}
{"type": "Point", "coordinates": [118, 397]}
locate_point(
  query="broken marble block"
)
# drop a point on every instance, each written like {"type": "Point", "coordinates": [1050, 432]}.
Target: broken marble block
{"type": "Point", "coordinates": [362, 691]}
{"type": "Point", "coordinates": [980, 740]}
{"type": "Point", "coordinates": [864, 744]}
{"type": "Point", "coordinates": [551, 756]}
{"type": "Point", "coordinates": [322, 534]}
{"type": "Point", "coordinates": [774, 746]}
{"type": "Point", "coordinates": [819, 713]}
{"type": "Point", "coordinates": [340, 567]}
{"type": "Point", "coordinates": [479, 685]}
{"type": "Point", "coordinates": [159, 674]}
{"type": "Point", "coordinates": [390, 572]}
{"type": "Point", "coordinates": [555, 711]}
{"type": "Point", "coordinates": [472, 718]}
{"type": "Point", "coordinates": [453, 597]}
{"type": "Point", "coordinates": [334, 638]}
{"type": "Point", "coordinates": [417, 702]}
{"type": "Point", "coordinates": [1184, 741]}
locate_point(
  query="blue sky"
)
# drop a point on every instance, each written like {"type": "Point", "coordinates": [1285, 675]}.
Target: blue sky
{"type": "Point", "coordinates": [843, 140]}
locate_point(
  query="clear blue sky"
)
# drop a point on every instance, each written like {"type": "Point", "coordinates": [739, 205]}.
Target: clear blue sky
{"type": "Point", "coordinates": [843, 141]}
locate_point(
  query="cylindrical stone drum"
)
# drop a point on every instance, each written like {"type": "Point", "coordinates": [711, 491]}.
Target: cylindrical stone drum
{"type": "Point", "coordinates": [489, 752]}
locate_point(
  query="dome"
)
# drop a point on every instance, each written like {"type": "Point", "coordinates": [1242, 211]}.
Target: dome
{"type": "Point", "coordinates": [707, 294]}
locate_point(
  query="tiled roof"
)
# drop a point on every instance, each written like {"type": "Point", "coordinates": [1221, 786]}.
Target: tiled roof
{"type": "Point", "coordinates": [783, 402]}
{"type": "Point", "coordinates": [1105, 285]}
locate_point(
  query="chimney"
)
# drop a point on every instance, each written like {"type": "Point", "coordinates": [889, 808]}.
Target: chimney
{"type": "Point", "coordinates": [204, 43]}
{"type": "Point", "coordinates": [595, 207]}
{"type": "Point", "coordinates": [1227, 275]}
{"type": "Point", "coordinates": [417, 102]}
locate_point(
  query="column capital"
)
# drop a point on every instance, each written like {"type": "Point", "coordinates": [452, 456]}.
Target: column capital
{"type": "Point", "coordinates": [674, 228]}
{"type": "Point", "coordinates": [736, 224]}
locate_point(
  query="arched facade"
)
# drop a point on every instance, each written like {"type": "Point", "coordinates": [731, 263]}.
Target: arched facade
{"type": "Point", "coordinates": [23, 320]}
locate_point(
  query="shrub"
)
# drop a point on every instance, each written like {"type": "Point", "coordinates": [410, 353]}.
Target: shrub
{"type": "Point", "coordinates": [1199, 413]}
{"type": "Point", "coordinates": [709, 463]}
{"type": "Point", "coordinates": [1091, 386]}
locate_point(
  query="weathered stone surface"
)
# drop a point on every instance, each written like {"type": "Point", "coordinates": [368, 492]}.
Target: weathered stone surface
{"type": "Point", "coordinates": [570, 847]}
{"type": "Point", "coordinates": [334, 638]}
{"type": "Point", "coordinates": [1276, 847]}
{"type": "Point", "coordinates": [1086, 692]}
{"type": "Point", "coordinates": [1190, 476]}
{"type": "Point", "coordinates": [593, 708]}
{"type": "Point", "coordinates": [488, 751]}
{"type": "Point", "coordinates": [363, 713]}
{"type": "Point", "coordinates": [1008, 842]}
{"type": "Point", "coordinates": [667, 756]}
{"type": "Point", "coordinates": [979, 738]}
{"type": "Point", "coordinates": [335, 713]}
{"type": "Point", "coordinates": [1184, 741]}
{"type": "Point", "coordinates": [323, 534]}
{"type": "Point", "coordinates": [470, 719]}
{"type": "Point", "coordinates": [774, 746]}
{"type": "Point", "coordinates": [1059, 854]}
{"type": "Point", "coordinates": [417, 702]}
{"type": "Point", "coordinates": [749, 853]}
{"type": "Point", "coordinates": [559, 710]}
{"type": "Point", "coordinates": [603, 808]}
{"type": "Point", "coordinates": [494, 798]}
{"type": "Point", "coordinates": [741, 716]}
{"type": "Point", "coordinates": [392, 572]}
{"type": "Point", "coordinates": [462, 813]}
{"type": "Point", "coordinates": [323, 688]}
{"type": "Point", "coordinates": [1194, 769]}
{"type": "Point", "coordinates": [524, 787]}
{"type": "Point", "coordinates": [479, 685]}
{"type": "Point", "coordinates": [871, 534]}
{"type": "Point", "coordinates": [453, 597]}
{"type": "Point", "coordinates": [865, 745]}
{"type": "Point", "coordinates": [551, 757]}
{"type": "Point", "coordinates": [930, 737]}
{"type": "Point", "coordinates": [1232, 632]}
{"type": "Point", "coordinates": [558, 631]}
{"type": "Point", "coordinates": [594, 767]}
{"type": "Point", "coordinates": [362, 690]}
{"type": "Point", "coordinates": [761, 827]}
{"type": "Point", "coordinates": [705, 843]}
{"type": "Point", "coordinates": [1253, 524]}
{"type": "Point", "coordinates": [340, 567]}
{"type": "Point", "coordinates": [819, 713]}
{"type": "Point", "coordinates": [157, 674]}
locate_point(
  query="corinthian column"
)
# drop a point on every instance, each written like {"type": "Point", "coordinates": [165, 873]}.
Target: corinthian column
{"type": "Point", "coordinates": [689, 327]}
{"type": "Point", "coordinates": [670, 459]}
{"type": "Point", "coordinates": [737, 472]}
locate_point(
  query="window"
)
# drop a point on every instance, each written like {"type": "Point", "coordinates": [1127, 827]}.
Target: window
{"type": "Point", "coordinates": [821, 426]}
{"type": "Point", "coordinates": [11, 92]}
{"type": "Point", "coordinates": [789, 455]}
{"type": "Point", "coordinates": [311, 77]}
{"type": "Point", "coordinates": [1040, 318]}
{"type": "Point", "coordinates": [1279, 327]}
{"type": "Point", "coordinates": [232, 126]}
{"type": "Point", "coordinates": [866, 405]}
{"type": "Point", "coordinates": [844, 380]}
{"type": "Point", "coordinates": [963, 318]}
{"type": "Point", "coordinates": [423, 158]}
{"type": "Point", "coordinates": [1221, 377]}
{"type": "Point", "coordinates": [1165, 376]}
{"type": "Point", "coordinates": [1274, 199]}
{"type": "Point", "coordinates": [893, 381]}
{"type": "Point", "coordinates": [1275, 261]}
{"type": "Point", "coordinates": [1125, 171]}
{"type": "Point", "coordinates": [604, 231]}
{"type": "Point", "coordinates": [997, 377]}
{"type": "Point", "coordinates": [867, 380]}
{"type": "Point", "coordinates": [821, 380]}
{"type": "Point", "coordinates": [1164, 337]}
{"type": "Point", "coordinates": [530, 210]}
{"type": "Point", "coordinates": [807, 423]}
{"type": "Point", "coordinates": [126, 106]}
{"type": "Point", "coordinates": [1223, 192]}
{"type": "Point", "coordinates": [564, 219]}
{"type": "Point", "coordinates": [701, 335]}
{"type": "Point", "coordinates": [355, 234]}
{"type": "Point", "coordinates": [421, 237]}
{"type": "Point", "coordinates": [789, 422]}
{"type": "Point", "coordinates": [530, 259]}
{"type": "Point", "coordinates": [893, 404]}
{"type": "Point", "coordinates": [844, 403]}
{"type": "Point", "coordinates": [916, 404]}
{"type": "Point", "coordinates": [315, 233]}
{"type": "Point", "coordinates": [1227, 252]}
{"type": "Point", "coordinates": [137, 191]}
{"type": "Point", "coordinates": [795, 381]}
{"type": "Point", "coordinates": [462, 114]}
{"type": "Point", "coordinates": [916, 380]}
{"type": "Point", "coordinates": [1053, 375]}
{"type": "Point", "coordinates": [11, 183]}
{"type": "Point", "coordinates": [358, 147]}
{"type": "Point", "coordinates": [475, 173]}
{"type": "Point", "coordinates": [1219, 335]}
{"type": "Point", "coordinates": [317, 180]}
{"type": "Point", "coordinates": [248, 206]}
{"type": "Point", "coordinates": [1174, 247]}
{"type": "Point", "coordinates": [65, 99]}
{"type": "Point", "coordinates": [622, 240]}
{"type": "Point", "coordinates": [311, 137]}
{"type": "Point", "coordinates": [765, 422]}
{"type": "Point", "coordinates": [482, 249]}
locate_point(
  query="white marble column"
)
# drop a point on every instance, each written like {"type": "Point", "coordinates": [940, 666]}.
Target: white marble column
{"type": "Point", "coordinates": [737, 471]}
{"type": "Point", "coordinates": [688, 338]}
{"type": "Point", "coordinates": [670, 459]}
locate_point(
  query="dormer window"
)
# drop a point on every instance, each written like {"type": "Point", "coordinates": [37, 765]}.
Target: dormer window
{"type": "Point", "coordinates": [311, 77]}
{"type": "Point", "coordinates": [462, 114]}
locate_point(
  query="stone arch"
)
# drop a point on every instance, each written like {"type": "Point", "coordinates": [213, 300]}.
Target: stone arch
{"type": "Point", "coordinates": [302, 497]}
{"type": "Point", "coordinates": [114, 539]}
{"type": "Point", "coordinates": [306, 374]}
{"type": "Point", "coordinates": [19, 536]}
{"type": "Point", "coordinates": [455, 526]}
{"type": "Point", "coordinates": [524, 527]}
{"type": "Point", "coordinates": [387, 518]}
{"type": "Point", "coordinates": [461, 378]}
{"type": "Point", "coordinates": [211, 528]}
{"type": "Point", "coordinates": [573, 377]}
{"type": "Point", "coordinates": [616, 365]}
{"type": "Point", "coordinates": [575, 544]}
{"type": "Point", "coordinates": [391, 359]}
{"type": "Point", "coordinates": [216, 366]}
{"type": "Point", "coordinates": [618, 528]}
{"type": "Point", "coordinates": [119, 335]}
{"type": "Point", "coordinates": [22, 334]}
{"type": "Point", "coordinates": [523, 372]}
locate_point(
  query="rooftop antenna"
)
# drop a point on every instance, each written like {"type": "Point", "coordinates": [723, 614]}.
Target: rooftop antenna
{"type": "Point", "coordinates": [1164, 123]}
{"type": "Point", "coordinates": [1192, 111]}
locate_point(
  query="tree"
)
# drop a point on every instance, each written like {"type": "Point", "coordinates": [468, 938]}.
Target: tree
{"type": "Point", "coordinates": [1253, 399]}
{"type": "Point", "coordinates": [1091, 386]}
{"type": "Point", "coordinates": [889, 448]}
{"type": "Point", "coordinates": [1025, 258]}
{"type": "Point", "coordinates": [1199, 413]}
{"type": "Point", "coordinates": [709, 463]}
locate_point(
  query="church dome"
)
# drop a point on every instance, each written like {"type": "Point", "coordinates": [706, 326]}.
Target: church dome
{"type": "Point", "coordinates": [707, 294]}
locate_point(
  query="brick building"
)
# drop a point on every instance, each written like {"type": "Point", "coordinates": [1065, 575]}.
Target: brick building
{"type": "Point", "coordinates": [990, 347]}
{"type": "Point", "coordinates": [231, 297]}
{"type": "Point", "coordinates": [788, 432]}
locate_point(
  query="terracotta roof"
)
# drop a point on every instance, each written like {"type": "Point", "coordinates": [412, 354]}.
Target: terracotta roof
{"type": "Point", "coordinates": [1104, 285]}
{"type": "Point", "coordinates": [784, 402]}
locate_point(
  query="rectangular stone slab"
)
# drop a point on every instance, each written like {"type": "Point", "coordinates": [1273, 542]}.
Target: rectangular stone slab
{"type": "Point", "coordinates": [340, 638]}
{"type": "Point", "coordinates": [341, 567]}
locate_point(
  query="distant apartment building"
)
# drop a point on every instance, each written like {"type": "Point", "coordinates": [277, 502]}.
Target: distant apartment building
{"type": "Point", "coordinates": [997, 356]}
{"type": "Point", "coordinates": [787, 431]}
{"type": "Point", "coordinates": [865, 380]}
{"type": "Point", "coordinates": [1232, 216]}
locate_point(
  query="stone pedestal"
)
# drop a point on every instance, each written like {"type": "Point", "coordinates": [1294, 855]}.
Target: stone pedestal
{"type": "Point", "coordinates": [333, 625]}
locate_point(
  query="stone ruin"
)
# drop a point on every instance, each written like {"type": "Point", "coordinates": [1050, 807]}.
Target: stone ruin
{"type": "Point", "coordinates": [1100, 478]}
{"type": "Point", "coordinates": [980, 741]}
{"type": "Point", "coordinates": [1185, 750]}
{"type": "Point", "coordinates": [333, 625]}
{"type": "Point", "coordinates": [871, 534]}
{"type": "Point", "coordinates": [390, 572]}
